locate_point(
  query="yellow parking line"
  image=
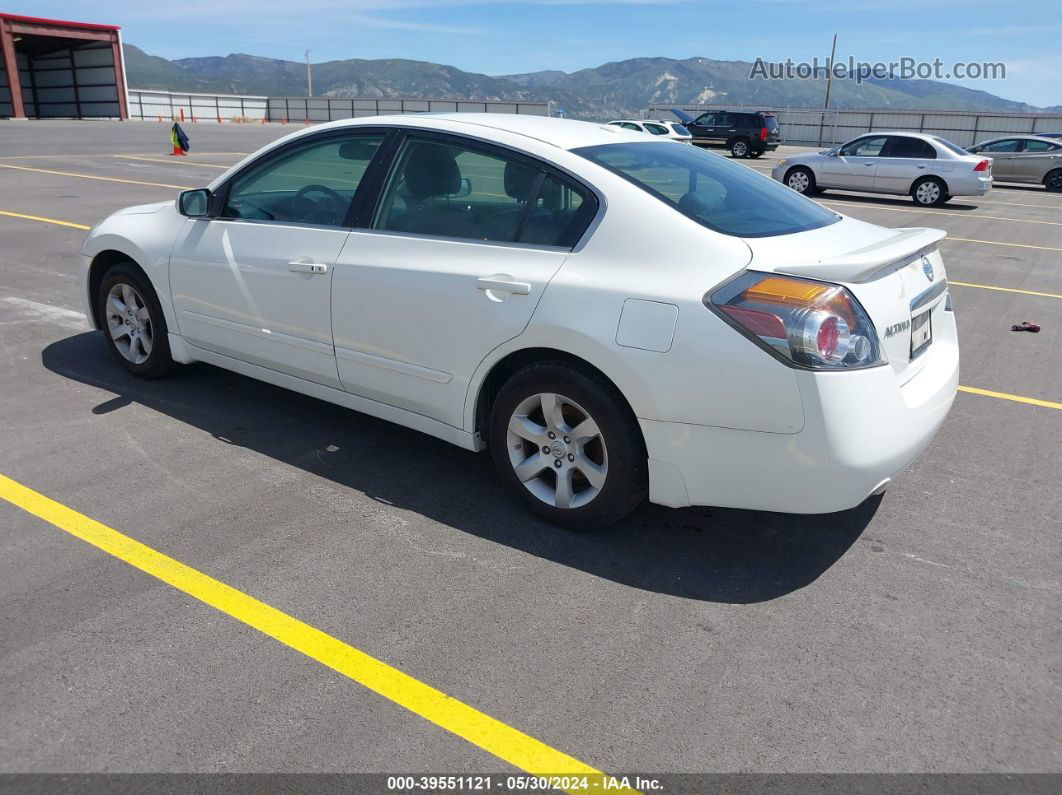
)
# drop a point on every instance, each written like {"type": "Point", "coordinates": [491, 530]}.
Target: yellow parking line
{"type": "Point", "coordinates": [93, 176]}
{"type": "Point", "coordinates": [998, 243]}
{"type": "Point", "coordinates": [1016, 204]}
{"type": "Point", "coordinates": [1017, 398]}
{"type": "Point", "coordinates": [1003, 289]}
{"type": "Point", "coordinates": [71, 224]}
{"type": "Point", "coordinates": [940, 212]}
{"type": "Point", "coordinates": [173, 161]}
{"type": "Point", "coordinates": [478, 728]}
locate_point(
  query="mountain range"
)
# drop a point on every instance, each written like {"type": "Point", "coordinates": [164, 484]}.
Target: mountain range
{"type": "Point", "coordinates": [618, 89]}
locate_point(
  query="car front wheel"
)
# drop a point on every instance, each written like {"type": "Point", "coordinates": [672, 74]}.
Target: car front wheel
{"type": "Point", "coordinates": [800, 179]}
{"type": "Point", "coordinates": [132, 321]}
{"type": "Point", "coordinates": [568, 445]}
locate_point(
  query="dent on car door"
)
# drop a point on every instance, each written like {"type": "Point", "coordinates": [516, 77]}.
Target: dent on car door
{"type": "Point", "coordinates": [458, 254]}
{"type": "Point", "coordinates": [254, 283]}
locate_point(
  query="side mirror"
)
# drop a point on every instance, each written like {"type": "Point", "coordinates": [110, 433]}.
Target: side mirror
{"type": "Point", "coordinates": [194, 203]}
{"type": "Point", "coordinates": [466, 188]}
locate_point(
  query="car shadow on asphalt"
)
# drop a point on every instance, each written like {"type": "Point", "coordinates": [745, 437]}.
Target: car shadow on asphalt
{"type": "Point", "coordinates": [711, 554]}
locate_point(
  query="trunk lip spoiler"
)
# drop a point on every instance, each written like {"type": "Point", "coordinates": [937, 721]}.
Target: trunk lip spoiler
{"type": "Point", "coordinates": [865, 264]}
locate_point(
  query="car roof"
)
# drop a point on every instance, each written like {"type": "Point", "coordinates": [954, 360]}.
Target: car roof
{"type": "Point", "coordinates": [1021, 137]}
{"type": "Point", "coordinates": [562, 133]}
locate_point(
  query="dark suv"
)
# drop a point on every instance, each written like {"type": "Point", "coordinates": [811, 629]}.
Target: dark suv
{"type": "Point", "coordinates": [744, 134]}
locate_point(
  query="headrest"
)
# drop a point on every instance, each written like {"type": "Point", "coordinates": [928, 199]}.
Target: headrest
{"type": "Point", "coordinates": [518, 181]}
{"type": "Point", "coordinates": [432, 171]}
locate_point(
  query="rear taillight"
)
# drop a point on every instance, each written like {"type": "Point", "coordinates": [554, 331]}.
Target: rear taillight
{"type": "Point", "coordinates": [806, 323]}
{"type": "Point", "coordinates": [763, 133]}
{"type": "Point", "coordinates": [984, 165]}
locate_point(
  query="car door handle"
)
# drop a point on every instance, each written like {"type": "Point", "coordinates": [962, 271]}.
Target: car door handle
{"type": "Point", "coordinates": [299, 266]}
{"type": "Point", "coordinates": [871, 163]}
{"type": "Point", "coordinates": [504, 286]}
{"type": "Point", "coordinates": [922, 165]}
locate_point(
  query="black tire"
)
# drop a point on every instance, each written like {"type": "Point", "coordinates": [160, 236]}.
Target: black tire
{"type": "Point", "coordinates": [929, 197]}
{"type": "Point", "coordinates": [808, 188]}
{"type": "Point", "coordinates": [158, 362]}
{"type": "Point", "coordinates": [755, 154]}
{"type": "Point", "coordinates": [1053, 180]}
{"type": "Point", "coordinates": [739, 148]}
{"type": "Point", "coordinates": [619, 445]}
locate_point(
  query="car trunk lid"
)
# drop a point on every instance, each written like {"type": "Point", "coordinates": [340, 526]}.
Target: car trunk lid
{"type": "Point", "coordinates": [896, 274]}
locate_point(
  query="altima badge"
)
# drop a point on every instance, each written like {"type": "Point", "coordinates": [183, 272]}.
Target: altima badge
{"type": "Point", "coordinates": [927, 268]}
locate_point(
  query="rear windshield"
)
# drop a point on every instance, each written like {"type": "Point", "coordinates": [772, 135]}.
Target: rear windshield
{"type": "Point", "coordinates": [770, 122]}
{"type": "Point", "coordinates": [949, 145]}
{"type": "Point", "coordinates": [713, 191]}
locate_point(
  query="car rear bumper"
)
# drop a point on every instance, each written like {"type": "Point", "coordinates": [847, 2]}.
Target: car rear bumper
{"type": "Point", "coordinates": [861, 430]}
{"type": "Point", "coordinates": [973, 185]}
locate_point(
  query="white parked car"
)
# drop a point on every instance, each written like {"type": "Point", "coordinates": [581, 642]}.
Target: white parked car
{"type": "Point", "coordinates": [927, 168]}
{"type": "Point", "coordinates": [665, 129]}
{"type": "Point", "coordinates": [498, 282]}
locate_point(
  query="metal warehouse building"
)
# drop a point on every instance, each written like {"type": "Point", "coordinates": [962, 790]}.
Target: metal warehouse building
{"type": "Point", "coordinates": [56, 69]}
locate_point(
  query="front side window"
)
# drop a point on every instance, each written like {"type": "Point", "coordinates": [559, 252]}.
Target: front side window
{"type": "Point", "coordinates": [706, 120]}
{"type": "Point", "coordinates": [864, 147]}
{"type": "Point", "coordinates": [713, 191]}
{"type": "Point", "coordinates": [1006, 145]}
{"type": "Point", "coordinates": [312, 184]}
{"type": "Point", "coordinates": [449, 190]}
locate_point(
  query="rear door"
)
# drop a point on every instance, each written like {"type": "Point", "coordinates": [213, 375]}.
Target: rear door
{"type": "Point", "coordinates": [1035, 159]}
{"type": "Point", "coordinates": [855, 164]}
{"type": "Point", "coordinates": [903, 160]}
{"type": "Point", "coordinates": [459, 251]}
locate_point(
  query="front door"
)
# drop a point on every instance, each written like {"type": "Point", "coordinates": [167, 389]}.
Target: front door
{"type": "Point", "coordinates": [255, 282]}
{"type": "Point", "coordinates": [1002, 154]}
{"type": "Point", "coordinates": [855, 165]}
{"type": "Point", "coordinates": [464, 242]}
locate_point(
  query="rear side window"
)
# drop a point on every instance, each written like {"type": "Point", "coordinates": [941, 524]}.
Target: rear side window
{"type": "Point", "coordinates": [656, 129]}
{"type": "Point", "coordinates": [711, 190]}
{"type": "Point", "coordinates": [903, 146]}
{"type": "Point", "coordinates": [1040, 146]}
{"type": "Point", "coordinates": [449, 190]}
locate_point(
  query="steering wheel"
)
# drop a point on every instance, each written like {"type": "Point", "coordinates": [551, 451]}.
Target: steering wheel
{"type": "Point", "coordinates": [328, 211]}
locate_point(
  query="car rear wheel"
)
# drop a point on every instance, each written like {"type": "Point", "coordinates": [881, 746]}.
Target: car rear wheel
{"type": "Point", "coordinates": [132, 321]}
{"type": "Point", "coordinates": [739, 148]}
{"type": "Point", "coordinates": [568, 445]}
{"type": "Point", "coordinates": [1053, 180]}
{"type": "Point", "coordinates": [801, 179]}
{"type": "Point", "coordinates": [755, 154]}
{"type": "Point", "coordinates": [929, 192]}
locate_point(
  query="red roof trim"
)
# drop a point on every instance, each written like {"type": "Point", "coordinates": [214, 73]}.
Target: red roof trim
{"type": "Point", "coordinates": [59, 23]}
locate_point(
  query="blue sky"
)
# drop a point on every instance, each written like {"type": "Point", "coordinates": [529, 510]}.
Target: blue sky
{"type": "Point", "coordinates": [506, 37]}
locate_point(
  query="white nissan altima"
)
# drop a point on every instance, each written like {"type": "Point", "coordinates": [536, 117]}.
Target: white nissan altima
{"type": "Point", "coordinates": [611, 316]}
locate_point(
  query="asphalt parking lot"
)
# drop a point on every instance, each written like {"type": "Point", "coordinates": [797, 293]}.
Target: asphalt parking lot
{"type": "Point", "coordinates": [920, 632]}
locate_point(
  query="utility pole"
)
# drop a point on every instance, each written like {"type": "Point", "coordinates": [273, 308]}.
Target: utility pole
{"type": "Point", "coordinates": [829, 72]}
{"type": "Point", "coordinates": [309, 76]}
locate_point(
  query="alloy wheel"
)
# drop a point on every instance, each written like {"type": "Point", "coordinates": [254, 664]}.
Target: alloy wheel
{"type": "Point", "coordinates": [129, 323]}
{"type": "Point", "coordinates": [557, 450]}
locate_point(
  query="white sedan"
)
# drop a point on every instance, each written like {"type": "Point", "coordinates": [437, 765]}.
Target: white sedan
{"type": "Point", "coordinates": [611, 316]}
{"type": "Point", "coordinates": [665, 129]}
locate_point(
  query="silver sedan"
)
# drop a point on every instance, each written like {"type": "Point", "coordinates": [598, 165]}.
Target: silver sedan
{"type": "Point", "coordinates": [928, 169]}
